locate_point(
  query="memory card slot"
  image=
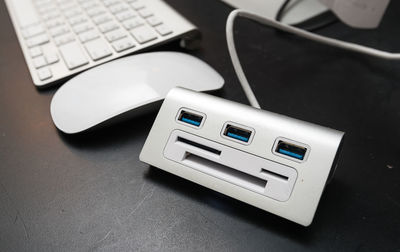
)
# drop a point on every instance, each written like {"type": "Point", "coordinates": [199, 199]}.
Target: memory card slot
{"type": "Point", "coordinates": [274, 174]}
{"type": "Point", "coordinates": [237, 167]}
{"type": "Point", "coordinates": [225, 172]}
{"type": "Point", "coordinates": [198, 145]}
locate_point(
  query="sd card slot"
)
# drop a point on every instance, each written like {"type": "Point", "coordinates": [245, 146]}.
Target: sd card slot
{"type": "Point", "coordinates": [198, 145]}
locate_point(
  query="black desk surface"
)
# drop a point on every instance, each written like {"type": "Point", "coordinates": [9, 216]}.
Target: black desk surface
{"type": "Point", "coordinates": [91, 192]}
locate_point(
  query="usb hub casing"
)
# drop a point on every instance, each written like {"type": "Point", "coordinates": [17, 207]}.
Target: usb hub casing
{"type": "Point", "coordinates": [273, 162]}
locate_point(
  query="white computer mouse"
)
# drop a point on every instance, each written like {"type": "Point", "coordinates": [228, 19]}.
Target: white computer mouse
{"type": "Point", "coordinates": [127, 86]}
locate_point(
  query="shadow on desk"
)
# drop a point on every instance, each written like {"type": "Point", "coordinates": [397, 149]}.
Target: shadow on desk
{"type": "Point", "coordinates": [242, 211]}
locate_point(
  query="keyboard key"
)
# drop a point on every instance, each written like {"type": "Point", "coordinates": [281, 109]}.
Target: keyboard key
{"type": "Point", "coordinates": [72, 12]}
{"type": "Point", "coordinates": [82, 27]}
{"type": "Point", "coordinates": [137, 5]}
{"type": "Point", "coordinates": [109, 26]}
{"type": "Point", "coordinates": [67, 5]}
{"type": "Point", "coordinates": [145, 13]}
{"type": "Point", "coordinates": [73, 55]}
{"type": "Point", "coordinates": [44, 73]}
{"type": "Point", "coordinates": [47, 8]}
{"type": "Point", "coordinates": [163, 29]}
{"type": "Point", "coordinates": [115, 35]}
{"type": "Point", "coordinates": [64, 39]}
{"type": "Point", "coordinates": [62, 2]}
{"type": "Point", "coordinates": [88, 35]}
{"type": "Point", "coordinates": [153, 21]}
{"type": "Point", "coordinates": [117, 8]}
{"type": "Point", "coordinates": [51, 58]}
{"type": "Point", "coordinates": [110, 2]}
{"type": "Point", "coordinates": [32, 31]}
{"type": "Point", "coordinates": [143, 34]}
{"type": "Point", "coordinates": [39, 62]}
{"type": "Point", "coordinates": [101, 19]}
{"type": "Point", "coordinates": [89, 4]}
{"type": "Point", "coordinates": [98, 49]}
{"type": "Point", "coordinates": [95, 11]}
{"type": "Point", "coordinates": [35, 51]}
{"type": "Point", "coordinates": [37, 40]}
{"type": "Point", "coordinates": [132, 23]}
{"type": "Point", "coordinates": [53, 14]}
{"type": "Point", "coordinates": [123, 44]}
{"type": "Point", "coordinates": [55, 22]}
{"type": "Point", "coordinates": [125, 15]}
{"type": "Point", "coordinates": [77, 20]}
{"type": "Point", "coordinates": [60, 30]}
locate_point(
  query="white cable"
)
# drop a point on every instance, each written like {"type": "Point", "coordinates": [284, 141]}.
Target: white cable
{"type": "Point", "coordinates": [235, 59]}
{"type": "Point", "coordinates": [290, 29]}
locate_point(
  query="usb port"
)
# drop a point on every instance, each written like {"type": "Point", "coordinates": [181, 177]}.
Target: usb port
{"type": "Point", "coordinates": [190, 118]}
{"type": "Point", "coordinates": [291, 150]}
{"type": "Point", "coordinates": [237, 133]}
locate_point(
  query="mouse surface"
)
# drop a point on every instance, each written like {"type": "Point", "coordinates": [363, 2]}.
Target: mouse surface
{"type": "Point", "coordinates": [131, 84]}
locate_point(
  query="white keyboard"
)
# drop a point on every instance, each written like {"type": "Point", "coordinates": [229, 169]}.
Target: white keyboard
{"type": "Point", "coordinates": [60, 38]}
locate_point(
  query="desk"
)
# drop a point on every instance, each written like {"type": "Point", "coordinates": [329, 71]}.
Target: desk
{"type": "Point", "coordinates": [91, 192]}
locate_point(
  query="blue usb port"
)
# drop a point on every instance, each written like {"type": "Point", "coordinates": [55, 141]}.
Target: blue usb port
{"type": "Point", "coordinates": [190, 118]}
{"type": "Point", "coordinates": [291, 150]}
{"type": "Point", "coordinates": [237, 133]}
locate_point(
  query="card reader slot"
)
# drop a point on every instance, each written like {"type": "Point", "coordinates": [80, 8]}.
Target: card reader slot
{"type": "Point", "coordinates": [198, 145]}
{"type": "Point", "coordinates": [232, 165]}
{"type": "Point", "coordinates": [224, 172]}
{"type": "Point", "coordinates": [273, 174]}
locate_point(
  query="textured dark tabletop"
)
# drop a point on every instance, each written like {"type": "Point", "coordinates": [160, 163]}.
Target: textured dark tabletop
{"type": "Point", "coordinates": [91, 192]}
